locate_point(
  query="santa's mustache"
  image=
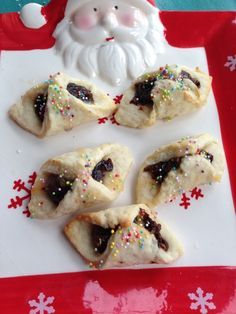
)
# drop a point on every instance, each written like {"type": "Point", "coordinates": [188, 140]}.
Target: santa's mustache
{"type": "Point", "coordinates": [99, 33]}
{"type": "Point", "coordinates": [114, 62]}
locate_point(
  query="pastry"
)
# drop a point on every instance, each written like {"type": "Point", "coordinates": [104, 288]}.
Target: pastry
{"type": "Point", "coordinates": [84, 178]}
{"type": "Point", "coordinates": [179, 167]}
{"type": "Point", "coordinates": [162, 95]}
{"type": "Point", "coordinates": [60, 104]}
{"type": "Point", "coordinates": [123, 236]}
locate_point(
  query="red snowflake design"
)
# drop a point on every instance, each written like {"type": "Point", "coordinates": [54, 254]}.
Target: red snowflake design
{"type": "Point", "coordinates": [113, 119]}
{"type": "Point", "coordinates": [102, 120]}
{"type": "Point", "coordinates": [118, 99]}
{"type": "Point", "coordinates": [196, 193]}
{"type": "Point", "coordinates": [22, 186]}
{"type": "Point", "coordinates": [185, 201]}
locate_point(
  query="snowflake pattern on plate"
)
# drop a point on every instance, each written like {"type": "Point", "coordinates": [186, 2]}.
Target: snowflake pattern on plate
{"type": "Point", "coordinates": [203, 302]}
{"type": "Point", "coordinates": [196, 193]}
{"type": "Point", "coordinates": [117, 99]}
{"type": "Point", "coordinates": [102, 120]}
{"type": "Point", "coordinates": [231, 63]}
{"type": "Point", "coordinates": [19, 200]}
{"type": "Point", "coordinates": [42, 306]}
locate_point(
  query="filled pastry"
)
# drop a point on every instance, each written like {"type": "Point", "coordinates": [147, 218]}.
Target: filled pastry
{"type": "Point", "coordinates": [179, 167]}
{"type": "Point", "coordinates": [84, 178]}
{"type": "Point", "coordinates": [60, 104]}
{"type": "Point", "coordinates": [162, 95]}
{"type": "Point", "coordinates": [123, 236]}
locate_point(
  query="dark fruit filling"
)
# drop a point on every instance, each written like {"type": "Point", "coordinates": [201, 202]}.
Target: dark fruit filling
{"type": "Point", "coordinates": [186, 75]}
{"type": "Point", "coordinates": [40, 105]}
{"type": "Point", "coordinates": [56, 187]}
{"type": "Point", "coordinates": [100, 237]}
{"type": "Point", "coordinates": [154, 228]}
{"type": "Point", "coordinates": [160, 170]}
{"type": "Point", "coordinates": [101, 168]}
{"type": "Point", "coordinates": [207, 155]}
{"type": "Point", "coordinates": [80, 92]}
{"type": "Point", "coordinates": [143, 91]}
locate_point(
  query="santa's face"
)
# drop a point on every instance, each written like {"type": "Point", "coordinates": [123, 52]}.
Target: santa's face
{"type": "Point", "coordinates": [113, 39]}
{"type": "Point", "coordinates": [103, 21]}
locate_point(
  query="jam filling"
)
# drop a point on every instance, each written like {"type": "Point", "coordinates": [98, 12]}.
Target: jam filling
{"type": "Point", "coordinates": [56, 187]}
{"type": "Point", "coordinates": [154, 228]}
{"type": "Point", "coordinates": [143, 90]}
{"type": "Point", "coordinates": [101, 168]}
{"type": "Point", "coordinates": [40, 105]}
{"type": "Point", "coordinates": [184, 74]}
{"type": "Point", "coordinates": [160, 170]}
{"type": "Point", "coordinates": [100, 237]}
{"type": "Point", "coordinates": [142, 96]}
{"type": "Point", "coordinates": [80, 92]}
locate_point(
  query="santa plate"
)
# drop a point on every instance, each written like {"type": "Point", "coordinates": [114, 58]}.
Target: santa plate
{"type": "Point", "coordinates": [110, 43]}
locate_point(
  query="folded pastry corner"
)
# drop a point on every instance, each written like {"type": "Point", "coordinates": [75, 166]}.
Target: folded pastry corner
{"type": "Point", "coordinates": [60, 103]}
{"type": "Point", "coordinates": [123, 236]}
{"type": "Point", "coordinates": [84, 178]}
{"type": "Point", "coordinates": [164, 94]}
{"type": "Point", "coordinates": [179, 167]}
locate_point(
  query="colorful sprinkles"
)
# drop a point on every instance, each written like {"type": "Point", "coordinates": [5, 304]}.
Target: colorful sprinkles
{"type": "Point", "coordinates": [166, 73]}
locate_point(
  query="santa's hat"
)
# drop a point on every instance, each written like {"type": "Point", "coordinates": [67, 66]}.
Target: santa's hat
{"type": "Point", "coordinates": [147, 6]}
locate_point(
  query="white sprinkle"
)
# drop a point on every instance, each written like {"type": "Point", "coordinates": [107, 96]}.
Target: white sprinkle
{"type": "Point", "coordinates": [18, 151]}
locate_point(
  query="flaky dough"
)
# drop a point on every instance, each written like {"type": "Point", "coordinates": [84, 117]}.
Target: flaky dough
{"type": "Point", "coordinates": [130, 244]}
{"type": "Point", "coordinates": [86, 191]}
{"type": "Point", "coordinates": [63, 110]}
{"type": "Point", "coordinates": [194, 170]}
{"type": "Point", "coordinates": [171, 97]}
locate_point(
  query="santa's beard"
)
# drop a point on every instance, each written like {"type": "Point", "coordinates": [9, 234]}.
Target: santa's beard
{"type": "Point", "coordinates": [113, 61]}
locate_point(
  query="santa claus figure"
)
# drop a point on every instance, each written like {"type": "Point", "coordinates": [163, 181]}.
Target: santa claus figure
{"type": "Point", "coordinates": [112, 39]}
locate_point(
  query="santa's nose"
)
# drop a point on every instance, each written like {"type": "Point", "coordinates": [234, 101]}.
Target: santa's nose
{"type": "Point", "coordinates": [109, 20]}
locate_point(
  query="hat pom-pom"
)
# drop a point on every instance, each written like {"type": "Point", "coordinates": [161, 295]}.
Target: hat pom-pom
{"type": "Point", "coordinates": [31, 16]}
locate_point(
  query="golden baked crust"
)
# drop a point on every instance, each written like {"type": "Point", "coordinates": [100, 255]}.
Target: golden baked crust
{"type": "Point", "coordinates": [171, 97]}
{"type": "Point", "coordinates": [63, 110]}
{"type": "Point", "coordinates": [142, 247]}
{"type": "Point", "coordinates": [77, 166]}
{"type": "Point", "coordinates": [194, 170]}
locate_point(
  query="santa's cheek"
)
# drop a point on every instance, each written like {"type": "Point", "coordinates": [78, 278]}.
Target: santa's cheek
{"type": "Point", "coordinates": [131, 19]}
{"type": "Point", "coordinates": [84, 22]}
{"type": "Point", "coordinates": [127, 20]}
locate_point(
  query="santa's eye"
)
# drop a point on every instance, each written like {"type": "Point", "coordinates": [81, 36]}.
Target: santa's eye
{"type": "Point", "coordinates": [116, 7]}
{"type": "Point", "coordinates": [95, 9]}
